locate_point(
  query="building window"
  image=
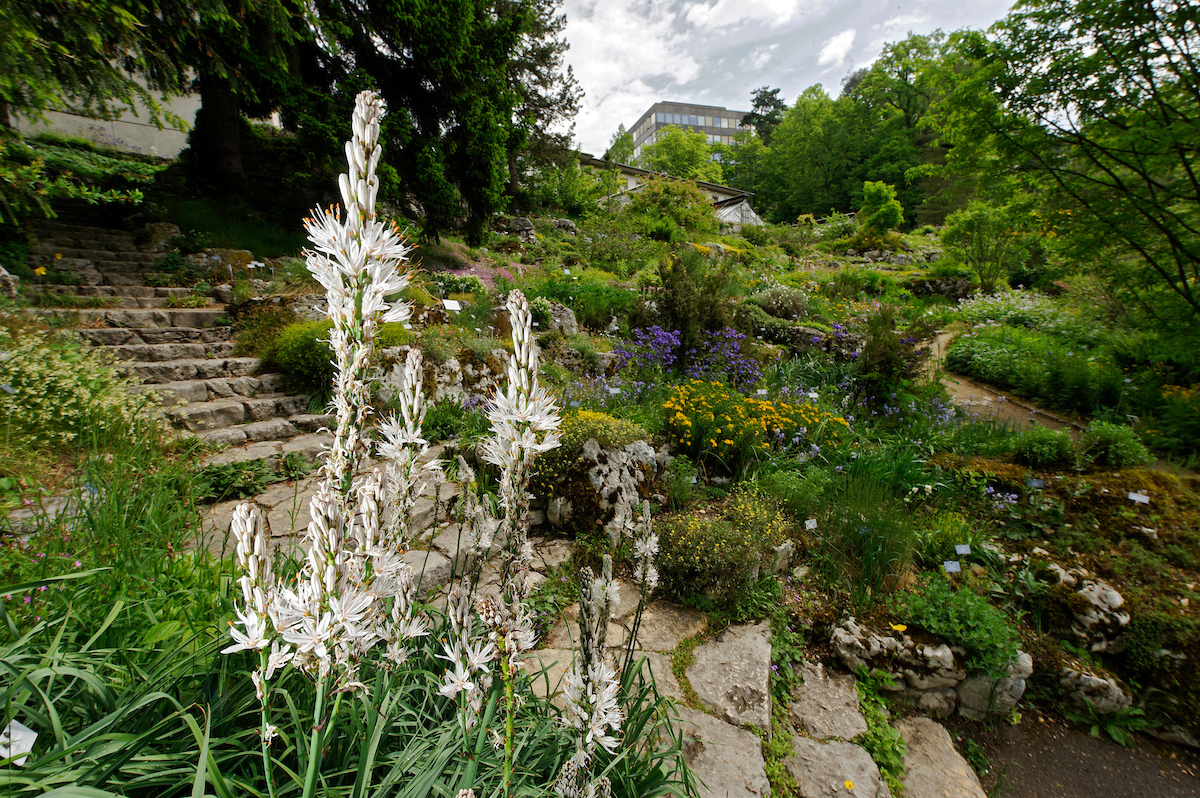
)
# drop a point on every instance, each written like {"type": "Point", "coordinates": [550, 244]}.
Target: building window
{"type": "Point", "coordinates": [660, 117]}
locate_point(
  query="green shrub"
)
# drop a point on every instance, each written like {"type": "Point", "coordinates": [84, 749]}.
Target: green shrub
{"type": "Point", "coordinates": [1040, 447]}
{"type": "Point", "coordinates": [867, 542]}
{"type": "Point", "coordinates": [256, 327]}
{"type": "Point", "coordinates": [851, 281]}
{"type": "Point", "coordinates": [302, 354]}
{"type": "Point", "coordinates": [881, 211]}
{"type": "Point", "coordinates": [58, 392]}
{"type": "Point", "coordinates": [783, 302]}
{"type": "Point", "coordinates": [1113, 446]}
{"type": "Point", "coordinates": [938, 537]}
{"type": "Point", "coordinates": [801, 494]}
{"type": "Point", "coordinates": [964, 619]}
{"type": "Point", "coordinates": [447, 419]}
{"type": "Point", "coordinates": [714, 561]}
{"type": "Point", "coordinates": [459, 283]}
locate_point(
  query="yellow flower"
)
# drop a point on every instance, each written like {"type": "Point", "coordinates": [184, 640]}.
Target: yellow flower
{"type": "Point", "coordinates": [849, 784]}
{"type": "Point", "coordinates": [58, 256]}
{"type": "Point", "coordinates": [898, 627]}
{"type": "Point", "coordinates": [40, 271]}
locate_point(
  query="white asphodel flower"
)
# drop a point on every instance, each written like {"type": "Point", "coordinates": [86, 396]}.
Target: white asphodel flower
{"type": "Point", "coordinates": [354, 590]}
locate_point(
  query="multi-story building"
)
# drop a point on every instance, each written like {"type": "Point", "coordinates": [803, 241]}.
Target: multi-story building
{"type": "Point", "coordinates": [717, 123]}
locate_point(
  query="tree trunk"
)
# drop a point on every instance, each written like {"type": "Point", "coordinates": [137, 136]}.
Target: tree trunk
{"type": "Point", "coordinates": [217, 139]}
{"type": "Point", "coordinates": [5, 120]}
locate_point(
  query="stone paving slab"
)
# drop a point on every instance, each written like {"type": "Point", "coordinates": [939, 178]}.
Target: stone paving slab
{"type": "Point", "coordinates": [731, 673]}
{"type": "Point", "coordinates": [834, 770]}
{"type": "Point", "coordinates": [665, 624]}
{"type": "Point", "coordinates": [726, 760]}
{"type": "Point", "coordinates": [933, 766]}
{"type": "Point", "coordinates": [826, 705]}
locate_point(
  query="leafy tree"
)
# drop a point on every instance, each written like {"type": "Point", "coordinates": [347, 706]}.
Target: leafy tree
{"type": "Point", "coordinates": [880, 211]}
{"type": "Point", "coordinates": [742, 161]}
{"type": "Point", "coordinates": [80, 55]}
{"type": "Point", "coordinates": [814, 156]}
{"type": "Point", "coordinates": [1097, 107]}
{"type": "Point", "coordinates": [984, 238]}
{"type": "Point", "coordinates": [684, 154]}
{"type": "Point", "coordinates": [548, 96]}
{"type": "Point", "coordinates": [678, 200]}
{"type": "Point", "coordinates": [767, 114]}
{"type": "Point", "coordinates": [442, 69]}
{"type": "Point", "coordinates": [896, 93]}
{"type": "Point", "coordinates": [620, 147]}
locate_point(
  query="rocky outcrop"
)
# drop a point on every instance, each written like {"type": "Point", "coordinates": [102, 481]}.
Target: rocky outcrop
{"type": "Point", "coordinates": [934, 676]}
{"type": "Point", "coordinates": [608, 478]}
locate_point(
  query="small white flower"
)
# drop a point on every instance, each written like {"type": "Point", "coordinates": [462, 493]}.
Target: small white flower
{"type": "Point", "coordinates": [253, 639]}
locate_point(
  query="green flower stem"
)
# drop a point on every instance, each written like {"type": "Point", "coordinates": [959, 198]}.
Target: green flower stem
{"type": "Point", "coordinates": [264, 725]}
{"type": "Point", "coordinates": [510, 711]}
{"type": "Point", "coordinates": [314, 745]}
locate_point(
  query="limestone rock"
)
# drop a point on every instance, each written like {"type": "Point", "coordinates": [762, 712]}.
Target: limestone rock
{"type": "Point", "coordinates": [821, 770]}
{"type": "Point", "coordinates": [827, 705]}
{"type": "Point", "coordinates": [1102, 623]}
{"type": "Point", "coordinates": [1105, 695]}
{"type": "Point", "coordinates": [566, 225]}
{"type": "Point", "coordinates": [979, 696]}
{"type": "Point", "coordinates": [933, 767]}
{"type": "Point", "coordinates": [731, 673]}
{"type": "Point", "coordinates": [562, 319]}
{"type": "Point", "coordinates": [726, 760]}
{"type": "Point", "coordinates": [432, 570]}
{"type": "Point", "coordinates": [665, 624]}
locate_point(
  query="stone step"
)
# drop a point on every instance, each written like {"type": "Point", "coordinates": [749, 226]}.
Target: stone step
{"type": "Point", "coordinates": [218, 413]}
{"type": "Point", "coordinates": [132, 290]}
{"type": "Point", "coordinates": [157, 353]}
{"type": "Point", "coordinates": [140, 317]}
{"type": "Point", "coordinates": [170, 393]}
{"type": "Point", "coordinates": [311, 445]}
{"type": "Point", "coordinates": [195, 369]}
{"type": "Point", "coordinates": [275, 429]}
{"type": "Point", "coordinates": [116, 302]}
{"type": "Point", "coordinates": [43, 251]}
{"type": "Point", "coordinates": [118, 336]}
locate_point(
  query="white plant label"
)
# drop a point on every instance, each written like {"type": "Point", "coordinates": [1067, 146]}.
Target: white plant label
{"type": "Point", "coordinates": [1036, 483]}
{"type": "Point", "coordinates": [952, 566]}
{"type": "Point", "coordinates": [1139, 498]}
{"type": "Point", "coordinates": [762, 391]}
{"type": "Point", "coordinates": [614, 391]}
{"type": "Point", "coordinates": [810, 524]}
{"type": "Point", "coordinates": [567, 272]}
{"type": "Point", "coordinates": [17, 740]}
{"type": "Point", "coordinates": [452, 304]}
{"type": "Point", "coordinates": [962, 548]}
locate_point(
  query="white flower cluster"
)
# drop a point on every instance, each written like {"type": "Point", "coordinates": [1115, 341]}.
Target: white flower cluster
{"type": "Point", "coordinates": [591, 687]}
{"type": "Point", "coordinates": [354, 591]}
{"type": "Point", "coordinates": [524, 420]}
{"type": "Point", "coordinates": [470, 658]}
{"type": "Point", "coordinates": [645, 549]}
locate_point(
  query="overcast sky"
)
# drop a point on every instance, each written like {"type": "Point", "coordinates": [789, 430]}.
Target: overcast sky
{"type": "Point", "coordinates": [630, 54]}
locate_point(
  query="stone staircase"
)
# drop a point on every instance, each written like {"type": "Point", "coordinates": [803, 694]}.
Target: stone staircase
{"type": "Point", "coordinates": [185, 357]}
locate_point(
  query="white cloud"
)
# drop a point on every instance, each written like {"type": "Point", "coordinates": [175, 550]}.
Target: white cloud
{"type": "Point", "coordinates": [905, 21]}
{"type": "Point", "coordinates": [724, 13]}
{"type": "Point", "coordinates": [836, 49]}
{"type": "Point", "coordinates": [621, 50]}
{"type": "Point", "coordinates": [758, 59]}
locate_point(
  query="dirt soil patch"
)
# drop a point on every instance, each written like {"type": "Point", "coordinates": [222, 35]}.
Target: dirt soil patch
{"type": "Point", "coordinates": [1043, 758]}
